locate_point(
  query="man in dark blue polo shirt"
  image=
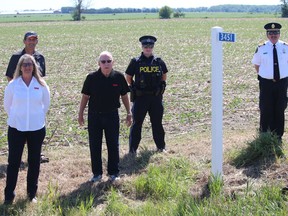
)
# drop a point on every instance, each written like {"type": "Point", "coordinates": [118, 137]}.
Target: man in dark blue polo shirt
{"type": "Point", "coordinates": [102, 89]}
{"type": "Point", "coordinates": [30, 41]}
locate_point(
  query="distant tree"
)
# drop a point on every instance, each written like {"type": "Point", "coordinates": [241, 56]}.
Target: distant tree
{"type": "Point", "coordinates": [178, 14]}
{"type": "Point", "coordinates": [165, 12]}
{"type": "Point", "coordinates": [80, 5]}
{"type": "Point", "coordinates": [284, 8]}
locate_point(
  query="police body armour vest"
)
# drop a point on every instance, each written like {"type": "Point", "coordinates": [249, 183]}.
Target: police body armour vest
{"type": "Point", "coordinates": [149, 75]}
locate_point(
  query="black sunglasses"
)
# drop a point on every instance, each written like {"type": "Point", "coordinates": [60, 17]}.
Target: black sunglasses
{"type": "Point", "coordinates": [27, 64]}
{"type": "Point", "coordinates": [148, 46]}
{"type": "Point", "coordinates": [104, 61]}
{"type": "Point", "coordinates": [273, 32]}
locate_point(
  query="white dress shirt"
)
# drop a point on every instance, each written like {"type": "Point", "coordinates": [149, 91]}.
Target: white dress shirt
{"type": "Point", "coordinates": [263, 57]}
{"type": "Point", "coordinates": [26, 106]}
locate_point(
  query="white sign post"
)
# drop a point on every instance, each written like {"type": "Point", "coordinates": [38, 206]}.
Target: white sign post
{"type": "Point", "coordinates": [217, 37]}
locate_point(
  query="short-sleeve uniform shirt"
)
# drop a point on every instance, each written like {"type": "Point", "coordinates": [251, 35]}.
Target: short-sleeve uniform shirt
{"type": "Point", "coordinates": [149, 65]}
{"type": "Point", "coordinates": [132, 67]}
{"type": "Point", "coordinates": [263, 57]}
{"type": "Point", "coordinates": [104, 91]}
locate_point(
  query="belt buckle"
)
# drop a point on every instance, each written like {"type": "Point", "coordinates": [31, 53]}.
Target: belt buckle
{"type": "Point", "coordinates": [274, 80]}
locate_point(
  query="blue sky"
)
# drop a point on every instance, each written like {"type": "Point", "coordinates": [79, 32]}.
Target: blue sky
{"type": "Point", "coordinates": [12, 5]}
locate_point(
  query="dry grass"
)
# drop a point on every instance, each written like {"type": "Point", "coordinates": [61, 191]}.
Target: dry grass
{"type": "Point", "coordinates": [69, 167]}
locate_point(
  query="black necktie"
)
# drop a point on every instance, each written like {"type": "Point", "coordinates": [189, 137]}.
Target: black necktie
{"type": "Point", "coordinates": [275, 62]}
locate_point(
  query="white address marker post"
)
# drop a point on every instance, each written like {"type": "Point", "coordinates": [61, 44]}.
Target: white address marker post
{"type": "Point", "coordinates": [217, 37]}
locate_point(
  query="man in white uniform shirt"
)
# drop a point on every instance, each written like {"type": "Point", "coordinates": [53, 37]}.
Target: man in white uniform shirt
{"type": "Point", "coordinates": [271, 64]}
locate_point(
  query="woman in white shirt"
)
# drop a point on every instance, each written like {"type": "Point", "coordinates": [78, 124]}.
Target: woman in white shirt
{"type": "Point", "coordinates": [26, 101]}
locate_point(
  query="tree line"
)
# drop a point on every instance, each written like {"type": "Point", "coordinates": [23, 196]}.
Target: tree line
{"type": "Point", "coordinates": [219, 8]}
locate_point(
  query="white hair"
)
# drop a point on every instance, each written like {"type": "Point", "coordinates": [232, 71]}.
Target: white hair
{"type": "Point", "coordinates": [105, 53]}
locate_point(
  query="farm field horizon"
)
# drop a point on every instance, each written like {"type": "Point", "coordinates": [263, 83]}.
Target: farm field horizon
{"type": "Point", "coordinates": [71, 50]}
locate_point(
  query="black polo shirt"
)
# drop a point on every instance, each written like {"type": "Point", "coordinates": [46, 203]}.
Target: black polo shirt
{"type": "Point", "coordinates": [40, 60]}
{"type": "Point", "coordinates": [104, 91]}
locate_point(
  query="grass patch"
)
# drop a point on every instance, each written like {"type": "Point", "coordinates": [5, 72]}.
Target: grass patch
{"type": "Point", "coordinates": [265, 148]}
{"type": "Point", "coordinates": [163, 182]}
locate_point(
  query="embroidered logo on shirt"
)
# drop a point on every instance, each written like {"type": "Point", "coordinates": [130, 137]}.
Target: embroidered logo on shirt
{"type": "Point", "coordinates": [36, 88]}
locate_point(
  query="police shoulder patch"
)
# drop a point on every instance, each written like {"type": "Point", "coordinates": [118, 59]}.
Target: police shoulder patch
{"type": "Point", "coordinates": [137, 58]}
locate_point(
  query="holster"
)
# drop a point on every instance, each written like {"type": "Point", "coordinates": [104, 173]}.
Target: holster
{"type": "Point", "coordinates": [132, 93]}
{"type": "Point", "coordinates": [163, 87]}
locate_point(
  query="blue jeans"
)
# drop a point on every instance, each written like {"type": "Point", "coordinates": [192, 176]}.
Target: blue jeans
{"type": "Point", "coordinates": [16, 142]}
{"type": "Point", "coordinates": [109, 123]}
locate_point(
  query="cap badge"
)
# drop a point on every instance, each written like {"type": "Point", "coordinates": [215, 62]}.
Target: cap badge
{"type": "Point", "coordinates": [273, 26]}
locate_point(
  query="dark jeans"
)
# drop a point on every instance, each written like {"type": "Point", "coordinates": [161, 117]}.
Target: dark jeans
{"type": "Point", "coordinates": [272, 103]}
{"type": "Point", "coordinates": [153, 105]}
{"type": "Point", "coordinates": [109, 123]}
{"type": "Point", "coordinates": [16, 142]}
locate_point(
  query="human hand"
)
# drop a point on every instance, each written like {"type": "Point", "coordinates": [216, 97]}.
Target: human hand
{"type": "Point", "coordinates": [81, 120]}
{"type": "Point", "coordinates": [129, 120]}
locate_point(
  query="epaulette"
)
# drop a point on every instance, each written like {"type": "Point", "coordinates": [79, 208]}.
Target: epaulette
{"type": "Point", "coordinates": [261, 44]}
{"type": "Point", "coordinates": [285, 44]}
{"type": "Point", "coordinates": [137, 58]}
{"type": "Point", "coordinates": [156, 58]}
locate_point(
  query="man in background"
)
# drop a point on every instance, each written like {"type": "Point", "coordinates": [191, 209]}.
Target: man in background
{"type": "Point", "coordinates": [30, 41]}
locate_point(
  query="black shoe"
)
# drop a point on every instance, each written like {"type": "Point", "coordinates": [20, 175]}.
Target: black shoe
{"type": "Point", "coordinates": [8, 202]}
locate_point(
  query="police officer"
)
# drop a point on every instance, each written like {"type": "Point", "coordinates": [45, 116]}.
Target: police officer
{"type": "Point", "coordinates": [146, 75]}
{"type": "Point", "coordinates": [271, 64]}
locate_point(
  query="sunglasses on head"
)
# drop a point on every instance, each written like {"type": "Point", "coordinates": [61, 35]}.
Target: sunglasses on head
{"type": "Point", "coordinates": [27, 64]}
{"type": "Point", "coordinates": [273, 32]}
{"type": "Point", "coordinates": [148, 46]}
{"type": "Point", "coordinates": [104, 61]}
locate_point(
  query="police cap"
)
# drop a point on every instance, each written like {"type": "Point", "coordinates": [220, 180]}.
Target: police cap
{"type": "Point", "coordinates": [147, 39]}
{"type": "Point", "coordinates": [272, 26]}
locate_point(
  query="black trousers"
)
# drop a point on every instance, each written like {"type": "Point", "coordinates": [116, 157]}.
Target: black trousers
{"type": "Point", "coordinates": [272, 103]}
{"type": "Point", "coordinates": [154, 106]}
{"type": "Point", "coordinates": [16, 143]}
{"type": "Point", "coordinates": [109, 124]}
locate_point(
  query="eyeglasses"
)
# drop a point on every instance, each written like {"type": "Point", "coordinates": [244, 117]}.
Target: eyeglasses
{"type": "Point", "coordinates": [273, 32]}
{"type": "Point", "coordinates": [148, 46]}
{"type": "Point", "coordinates": [104, 61]}
{"type": "Point", "coordinates": [27, 64]}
